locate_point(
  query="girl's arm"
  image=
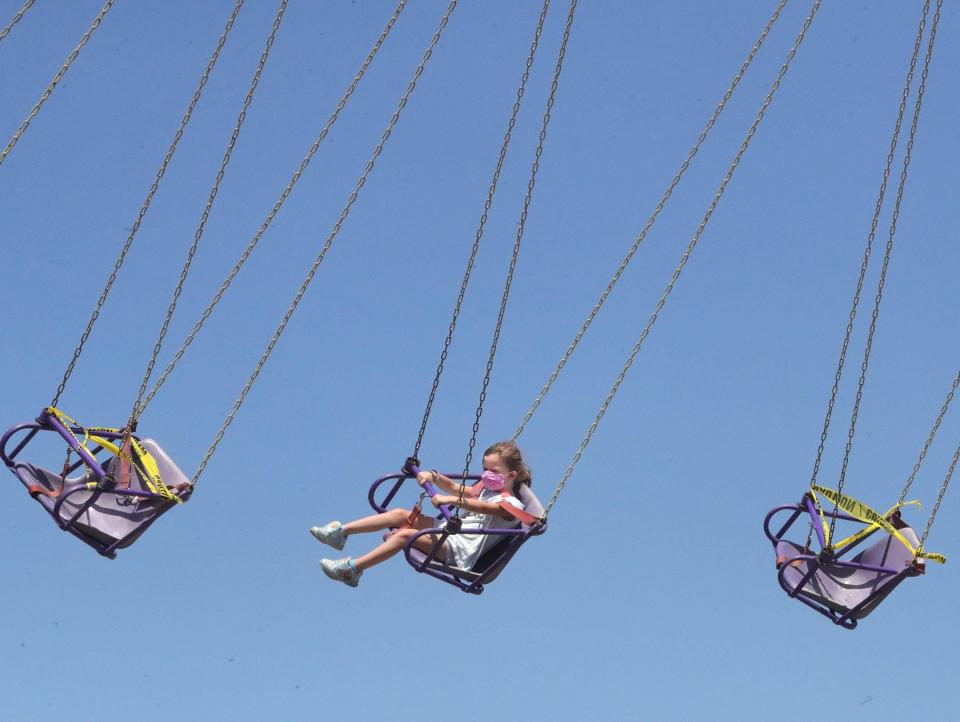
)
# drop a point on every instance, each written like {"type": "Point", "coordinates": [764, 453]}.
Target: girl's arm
{"type": "Point", "coordinates": [444, 483]}
{"type": "Point", "coordinates": [471, 504]}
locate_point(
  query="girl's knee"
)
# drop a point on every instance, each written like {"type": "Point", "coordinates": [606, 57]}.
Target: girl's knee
{"type": "Point", "coordinates": [399, 515]}
{"type": "Point", "coordinates": [402, 536]}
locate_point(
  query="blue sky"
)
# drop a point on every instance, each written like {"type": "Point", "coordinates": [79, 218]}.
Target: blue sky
{"type": "Point", "coordinates": [653, 595]}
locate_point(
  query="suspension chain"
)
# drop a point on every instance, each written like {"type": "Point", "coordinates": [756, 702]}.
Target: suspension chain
{"type": "Point", "coordinates": [902, 182]}
{"type": "Point", "coordinates": [198, 234]}
{"type": "Point", "coordinates": [684, 258]}
{"type": "Point", "coordinates": [16, 18]}
{"type": "Point", "coordinates": [869, 246]}
{"type": "Point", "coordinates": [649, 224]}
{"type": "Point", "coordinates": [936, 506]}
{"type": "Point", "coordinates": [329, 242]}
{"type": "Point", "coordinates": [483, 222]}
{"type": "Point", "coordinates": [926, 445]}
{"type": "Point", "coordinates": [531, 184]}
{"type": "Point", "coordinates": [208, 311]}
{"type": "Point", "coordinates": [146, 203]}
{"type": "Point", "coordinates": [56, 78]}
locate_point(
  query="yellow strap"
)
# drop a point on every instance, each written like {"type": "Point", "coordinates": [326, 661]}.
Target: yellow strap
{"type": "Point", "coordinates": [153, 471]}
{"type": "Point", "coordinates": [860, 511]}
{"type": "Point", "coordinates": [67, 421]}
{"type": "Point", "coordinates": [150, 472]}
{"type": "Point", "coordinates": [932, 556]}
{"type": "Point", "coordinates": [869, 529]}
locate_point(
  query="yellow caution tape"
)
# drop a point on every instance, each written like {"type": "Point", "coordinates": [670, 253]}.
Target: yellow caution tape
{"type": "Point", "coordinates": [152, 471]}
{"type": "Point", "coordinates": [860, 511]}
{"type": "Point", "coordinates": [147, 469]}
{"type": "Point", "coordinates": [869, 529]}
{"type": "Point", "coordinates": [67, 421]}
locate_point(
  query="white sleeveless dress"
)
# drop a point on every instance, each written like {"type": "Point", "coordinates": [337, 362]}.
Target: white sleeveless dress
{"type": "Point", "coordinates": [463, 550]}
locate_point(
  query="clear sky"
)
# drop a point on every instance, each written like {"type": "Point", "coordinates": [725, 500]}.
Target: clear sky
{"type": "Point", "coordinates": [653, 595]}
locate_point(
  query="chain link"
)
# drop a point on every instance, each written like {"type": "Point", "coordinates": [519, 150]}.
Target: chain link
{"type": "Point", "coordinates": [930, 436]}
{"type": "Point", "coordinates": [521, 225]}
{"type": "Point", "coordinates": [329, 242]}
{"type": "Point", "coordinates": [146, 203]}
{"type": "Point", "coordinates": [869, 247]}
{"type": "Point", "coordinates": [198, 234]}
{"type": "Point", "coordinates": [683, 259]}
{"type": "Point", "coordinates": [649, 224]}
{"type": "Point", "coordinates": [16, 18]}
{"type": "Point", "coordinates": [208, 311]}
{"type": "Point", "coordinates": [901, 184]}
{"type": "Point", "coordinates": [56, 78]}
{"type": "Point", "coordinates": [480, 229]}
{"type": "Point", "coordinates": [936, 506]}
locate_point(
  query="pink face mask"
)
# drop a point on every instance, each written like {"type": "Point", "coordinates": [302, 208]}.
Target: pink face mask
{"type": "Point", "coordinates": [492, 481]}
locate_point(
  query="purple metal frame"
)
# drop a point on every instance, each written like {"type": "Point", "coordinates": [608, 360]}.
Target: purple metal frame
{"type": "Point", "coordinates": [105, 484]}
{"type": "Point", "coordinates": [493, 561]}
{"type": "Point", "coordinates": [846, 619]}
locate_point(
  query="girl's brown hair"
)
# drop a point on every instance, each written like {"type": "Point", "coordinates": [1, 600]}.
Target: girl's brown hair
{"type": "Point", "coordinates": [513, 458]}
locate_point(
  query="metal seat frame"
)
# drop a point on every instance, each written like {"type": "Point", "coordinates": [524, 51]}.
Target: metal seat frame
{"type": "Point", "coordinates": [97, 479]}
{"type": "Point", "coordinates": [490, 564]}
{"type": "Point", "coordinates": [831, 558]}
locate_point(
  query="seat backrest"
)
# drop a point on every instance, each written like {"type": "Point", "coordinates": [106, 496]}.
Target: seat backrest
{"type": "Point", "coordinates": [889, 552]}
{"type": "Point", "coordinates": [531, 504]}
{"type": "Point", "coordinates": [111, 519]}
{"type": "Point", "coordinates": [491, 555]}
{"type": "Point", "coordinates": [844, 588]}
{"type": "Point", "coordinates": [170, 473]}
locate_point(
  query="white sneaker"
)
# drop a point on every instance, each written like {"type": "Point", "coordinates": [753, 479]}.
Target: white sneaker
{"type": "Point", "coordinates": [332, 534]}
{"type": "Point", "coordinates": [341, 570]}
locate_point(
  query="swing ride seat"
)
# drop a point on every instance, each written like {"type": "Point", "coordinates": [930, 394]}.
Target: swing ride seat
{"type": "Point", "coordinates": [842, 590]}
{"type": "Point", "coordinates": [91, 505]}
{"type": "Point", "coordinates": [501, 544]}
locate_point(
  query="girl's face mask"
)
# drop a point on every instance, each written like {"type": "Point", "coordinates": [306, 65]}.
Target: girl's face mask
{"type": "Point", "coordinates": [492, 481]}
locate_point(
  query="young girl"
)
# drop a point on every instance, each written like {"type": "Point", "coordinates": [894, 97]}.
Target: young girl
{"type": "Point", "coordinates": [503, 471]}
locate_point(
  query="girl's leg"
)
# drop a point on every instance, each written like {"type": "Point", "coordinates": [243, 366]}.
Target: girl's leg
{"type": "Point", "coordinates": [377, 522]}
{"type": "Point", "coordinates": [398, 541]}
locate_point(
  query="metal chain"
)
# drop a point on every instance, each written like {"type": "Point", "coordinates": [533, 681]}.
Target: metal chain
{"type": "Point", "coordinates": [329, 242]}
{"type": "Point", "coordinates": [649, 224]}
{"type": "Point", "coordinates": [926, 445]}
{"type": "Point", "coordinates": [936, 506]}
{"type": "Point", "coordinates": [208, 311]}
{"type": "Point", "coordinates": [902, 182]}
{"type": "Point", "coordinates": [869, 246]}
{"type": "Point", "coordinates": [16, 18]}
{"type": "Point", "coordinates": [56, 78]}
{"type": "Point", "coordinates": [684, 258]}
{"type": "Point", "coordinates": [531, 184]}
{"type": "Point", "coordinates": [146, 203]}
{"type": "Point", "coordinates": [214, 190]}
{"type": "Point", "coordinates": [480, 229]}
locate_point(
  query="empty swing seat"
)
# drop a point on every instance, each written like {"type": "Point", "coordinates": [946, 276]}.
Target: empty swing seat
{"type": "Point", "coordinates": [86, 503]}
{"type": "Point", "coordinates": [854, 588]}
{"type": "Point", "coordinates": [842, 589]}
